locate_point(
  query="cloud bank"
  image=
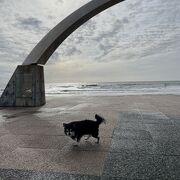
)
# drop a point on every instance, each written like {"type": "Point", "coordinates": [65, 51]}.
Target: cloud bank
{"type": "Point", "coordinates": [118, 41]}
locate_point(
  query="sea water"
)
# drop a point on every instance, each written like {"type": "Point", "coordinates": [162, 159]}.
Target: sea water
{"type": "Point", "coordinates": [112, 88]}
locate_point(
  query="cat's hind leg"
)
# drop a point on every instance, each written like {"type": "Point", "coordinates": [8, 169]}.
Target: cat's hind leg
{"type": "Point", "coordinates": [78, 138]}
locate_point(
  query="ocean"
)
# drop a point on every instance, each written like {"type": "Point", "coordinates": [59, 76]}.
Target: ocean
{"type": "Point", "coordinates": [112, 88]}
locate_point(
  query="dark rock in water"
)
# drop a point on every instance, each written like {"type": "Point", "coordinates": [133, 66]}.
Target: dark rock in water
{"type": "Point", "coordinates": [90, 85]}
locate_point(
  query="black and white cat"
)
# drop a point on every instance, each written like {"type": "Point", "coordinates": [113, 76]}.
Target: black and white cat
{"type": "Point", "coordinates": [77, 129]}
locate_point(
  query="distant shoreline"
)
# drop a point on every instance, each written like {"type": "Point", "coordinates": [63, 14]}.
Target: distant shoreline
{"type": "Point", "coordinates": [112, 88]}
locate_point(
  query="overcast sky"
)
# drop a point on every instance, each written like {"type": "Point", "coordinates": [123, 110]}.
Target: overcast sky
{"type": "Point", "coordinates": [133, 40]}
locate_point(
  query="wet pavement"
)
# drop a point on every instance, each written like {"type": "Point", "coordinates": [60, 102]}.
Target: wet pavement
{"type": "Point", "coordinates": [140, 139]}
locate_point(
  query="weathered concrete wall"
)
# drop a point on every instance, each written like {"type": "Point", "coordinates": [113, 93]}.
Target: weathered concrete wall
{"type": "Point", "coordinates": [8, 96]}
{"type": "Point", "coordinates": [25, 88]}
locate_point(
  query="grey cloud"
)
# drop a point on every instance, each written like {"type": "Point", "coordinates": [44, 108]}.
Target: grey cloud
{"type": "Point", "coordinates": [88, 34]}
{"type": "Point", "coordinates": [111, 36]}
{"type": "Point", "coordinates": [106, 50]}
{"type": "Point", "coordinates": [59, 1]}
{"type": "Point", "coordinates": [51, 17]}
{"type": "Point", "coordinates": [136, 28]}
{"type": "Point", "coordinates": [72, 46]}
{"type": "Point", "coordinates": [134, 5]}
{"type": "Point", "coordinates": [54, 58]}
{"type": "Point", "coordinates": [104, 40]}
{"type": "Point", "coordinates": [125, 20]}
{"type": "Point", "coordinates": [79, 39]}
{"type": "Point", "coordinates": [91, 24]}
{"type": "Point", "coordinates": [155, 30]}
{"type": "Point", "coordinates": [10, 50]}
{"type": "Point", "coordinates": [68, 51]}
{"type": "Point", "coordinates": [117, 26]}
{"type": "Point", "coordinates": [72, 51]}
{"type": "Point", "coordinates": [105, 47]}
{"type": "Point", "coordinates": [29, 23]}
{"type": "Point", "coordinates": [64, 51]}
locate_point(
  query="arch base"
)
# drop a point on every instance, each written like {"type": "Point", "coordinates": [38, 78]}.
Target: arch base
{"type": "Point", "coordinates": [25, 88]}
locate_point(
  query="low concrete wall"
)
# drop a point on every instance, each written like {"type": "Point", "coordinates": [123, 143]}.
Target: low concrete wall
{"type": "Point", "coordinates": [25, 88]}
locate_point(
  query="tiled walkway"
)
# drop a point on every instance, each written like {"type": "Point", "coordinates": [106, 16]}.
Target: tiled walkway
{"type": "Point", "coordinates": [141, 139]}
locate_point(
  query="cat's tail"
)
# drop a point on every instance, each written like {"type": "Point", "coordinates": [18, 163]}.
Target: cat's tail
{"type": "Point", "coordinates": [99, 119]}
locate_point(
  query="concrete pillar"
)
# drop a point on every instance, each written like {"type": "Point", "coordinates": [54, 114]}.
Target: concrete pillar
{"type": "Point", "coordinates": [25, 88]}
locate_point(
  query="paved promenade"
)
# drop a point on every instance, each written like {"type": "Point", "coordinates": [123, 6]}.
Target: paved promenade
{"type": "Point", "coordinates": [140, 140]}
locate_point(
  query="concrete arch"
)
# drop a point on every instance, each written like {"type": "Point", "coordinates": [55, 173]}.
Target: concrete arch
{"type": "Point", "coordinates": [26, 86]}
{"type": "Point", "coordinates": [51, 41]}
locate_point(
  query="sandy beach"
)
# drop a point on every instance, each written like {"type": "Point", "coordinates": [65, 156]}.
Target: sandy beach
{"type": "Point", "coordinates": [140, 139]}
